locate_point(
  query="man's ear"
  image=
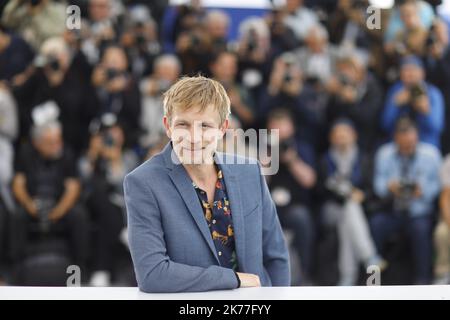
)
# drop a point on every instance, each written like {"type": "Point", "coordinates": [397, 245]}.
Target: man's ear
{"type": "Point", "coordinates": [166, 123]}
{"type": "Point", "coordinates": [224, 127]}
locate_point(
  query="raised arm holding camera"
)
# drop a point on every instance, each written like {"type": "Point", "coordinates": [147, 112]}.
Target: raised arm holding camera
{"type": "Point", "coordinates": [414, 97]}
{"type": "Point", "coordinates": [103, 169]}
{"type": "Point", "coordinates": [118, 92]}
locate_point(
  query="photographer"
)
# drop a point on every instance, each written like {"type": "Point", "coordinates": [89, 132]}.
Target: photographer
{"type": "Point", "coordinates": [287, 89]}
{"type": "Point", "coordinates": [61, 76]}
{"type": "Point", "coordinates": [140, 41]}
{"type": "Point", "coordinates": [15, 56]}
{"type": "Point", "coordinates": [299, 18]}
{"type": "Point", "coordinates": [255, 54]}
{"type": "Point", "coordinates": [103, 169]}
{"type": "Point", "coordinates": [187, 17]}
{"type": "Point", "coordinates": [197, 47]}
{"type": "Point", "coordinates": [407, 179]}
{"type": "Point", "coordinates": [46, 187]}
{"type": "Point", "coordinates": [167, 69]}
{"type": "Point", "coordinates": [411, 39]}
{"type": "Point", "coordinates": [282, 37]}
{"type": "Point", "coordinates": [101, 28]}
{"type": "Point", "coordinates": [224, 68]}
{"type": "Point", "coordinates": [318, 58]}
{"type": "Point", "coordinates": [442, 231]}
{"type": "Point", "coordinates": [356, 95]}
{"type": "Point", "coordinates": [345, 189]}
{"type": "Point", "coordinates": [8, 133]}
{"type": "Point", "coordinates": [117, 92]}
{"type": "Point", "coordinates": [437, 65]}
{"type": "Point", "coordinates": [291, 189]}
{"type": "Point", "coordinates": [35, 20]}
{"type": "Point", "coordinates": [412, 96]}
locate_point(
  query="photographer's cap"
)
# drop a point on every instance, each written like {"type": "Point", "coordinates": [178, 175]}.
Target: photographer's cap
{"type": "Point", "coordinates": [411, 60]}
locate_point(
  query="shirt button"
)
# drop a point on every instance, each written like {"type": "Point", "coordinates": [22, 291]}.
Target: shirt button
{"type": "Point", "coordinates": [214, 221]}
{"type": "Point", "coordinates": [220, 253]}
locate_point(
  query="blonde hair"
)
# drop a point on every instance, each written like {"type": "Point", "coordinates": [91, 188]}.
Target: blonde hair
{"type": "Point", "coordinates": [197, 91]}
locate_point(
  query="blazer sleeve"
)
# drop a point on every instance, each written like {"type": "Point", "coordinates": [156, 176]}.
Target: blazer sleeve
{"type": "Point", "coordinates": [275, 252]}
{"type": "Point", "coordinates": [155, 272]}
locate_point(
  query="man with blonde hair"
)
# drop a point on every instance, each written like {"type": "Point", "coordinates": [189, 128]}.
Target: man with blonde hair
{"type": "Point", "coordinates": [198, 219]}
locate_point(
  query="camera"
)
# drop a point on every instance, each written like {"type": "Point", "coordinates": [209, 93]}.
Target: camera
{"type": "Point", "coordinates": [340, 186]}
{"type": "Point", "coordinates": [285, 145]}
{"type": "Point", "coordinates": [51, 61]}
{"type": "Point", "coordinates": [140, 40]}
{"type": "Point", "coordinates": [112, 73]}
{"type": "Point", "coordinates": [252, 42]}
{"type": "Point", "coordinates": [195, 40]}
{"type": "Point", "coordinates": [431, 38]}
{"type": "Point", "coordinates": [108, 139]}
{"type": "Point", "coordinates": [407, 188]}
{"type": "Point", "coordinates": [44, 206]}
{"type": "Point", "coordinates": [405, 195]}
{"type": "Point", "coordinates": [416, 91]}
{"type": "Point", "coordinates": [289, 60]}
{"type": "Point", "coordinates": [344, 80]}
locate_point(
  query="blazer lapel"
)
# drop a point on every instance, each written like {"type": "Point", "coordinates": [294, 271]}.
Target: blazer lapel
{"type": "Point", "coordinates": [234, 194]}
{"type": "Point", "coordinates": [183, 183]}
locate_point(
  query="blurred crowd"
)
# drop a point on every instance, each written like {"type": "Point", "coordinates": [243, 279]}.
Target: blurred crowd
{"type": "Point", "coordinates": [363, 179]}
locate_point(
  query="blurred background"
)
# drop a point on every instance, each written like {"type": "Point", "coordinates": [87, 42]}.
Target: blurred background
{"type": "Point", "coordinates": [361, 99]}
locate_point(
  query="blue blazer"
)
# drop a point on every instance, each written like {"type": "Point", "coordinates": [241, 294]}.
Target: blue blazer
{"type": "Point", "coordinates": [170, 242]}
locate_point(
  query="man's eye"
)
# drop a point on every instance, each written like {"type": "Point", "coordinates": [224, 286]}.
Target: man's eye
{"type": "Point", "coordinates": [204, 125]}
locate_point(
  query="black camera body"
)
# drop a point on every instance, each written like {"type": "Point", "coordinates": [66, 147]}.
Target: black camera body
{"type": "Point", "coordinates": [344, 80]}
{"type": "Point", "coordinates": [44, 206]}
{"type": "Point", "coordinates": [252, 42]}
{"type": "Point", "coordinates": [285, 145]}
{"type": "Point", "coordinates": [108, 139]}
{"type": "Point", "coordinates": [339, 185]}
{"type": "Point", "coordinates": [405, 196]}
{"type": "Point", "coordinates": [112, 73]}
{"type": "Point", "coordinates": [289, 61]}
{"type": "Point", "coordinates": [417, 90]}
{"type": "Point", "coordinates": [51, 61]}
{"type": "Point", "coordinates": [407, 188]}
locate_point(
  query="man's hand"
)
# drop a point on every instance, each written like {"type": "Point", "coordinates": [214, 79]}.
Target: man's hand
{"type": "Point", "coordinates": [357, 195]}
{"type": "Point", "coordinates": [402, 97]}
{"type": "Point", "coordinates": [276, 78]}
{"type": "Point", "coordinates": [348, 94]}
{"type": "Point", "coordinates": [417, 191]}
{"type": "Point", "coordinates": [289, 156]}
{"type": "Point", "coordinates": [394, 187]}
{"type": "Point", "coordinates": [31, 208]}
{"type": "Point", "coordinates": [248, 280]}
{"type": "Point", "coordinates": [95, 147]}
{"type": "Point", "coordinates": [56, 213]}
{"type": "Point", "coordinates": [422, 104]}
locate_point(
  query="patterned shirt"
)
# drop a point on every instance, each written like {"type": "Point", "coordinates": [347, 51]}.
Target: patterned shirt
{"type": "Point", "coordinates": [220, 222]}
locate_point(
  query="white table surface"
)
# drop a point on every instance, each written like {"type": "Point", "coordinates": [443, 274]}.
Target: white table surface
{"type": "Point", "coordinates": [274, 293]}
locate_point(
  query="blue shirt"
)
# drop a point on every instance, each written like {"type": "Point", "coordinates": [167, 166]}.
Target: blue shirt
{"type": "Point", "coordinates": [423, 169]}
{"type": "Point", "coordinates": [430, 125]}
